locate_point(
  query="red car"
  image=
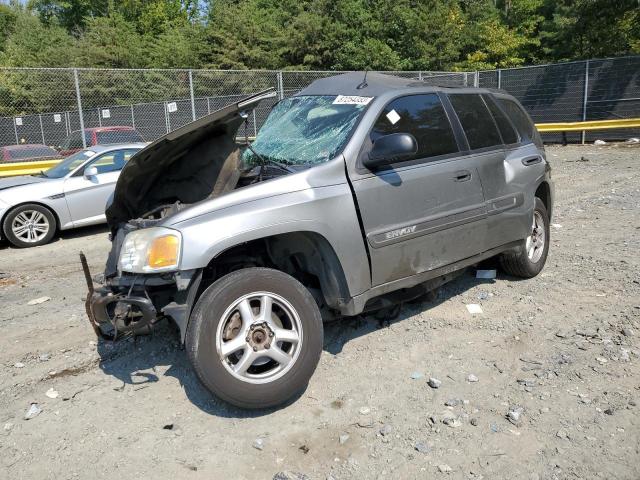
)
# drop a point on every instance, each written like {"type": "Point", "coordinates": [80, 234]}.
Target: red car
{"type": "Point", "coordinates": [99, 136]}
{"type": "Point", "coordinates": [26, 152]}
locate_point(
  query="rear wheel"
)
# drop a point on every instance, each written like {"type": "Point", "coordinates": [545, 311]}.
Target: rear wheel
{"type": "Point", "coordinates": [29, 225]}
{"type": "Point", "coordinates": [530, 258]}
{"type": "Point", "coordinates": [255, 337]}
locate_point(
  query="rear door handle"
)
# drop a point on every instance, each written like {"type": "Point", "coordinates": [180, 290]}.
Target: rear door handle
{"type": "Point", "coordinates": [462, 176]}
{"type": "Point", "coordinates": [531, 160]}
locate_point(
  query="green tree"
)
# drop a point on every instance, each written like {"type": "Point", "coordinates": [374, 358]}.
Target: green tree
{"type": "Point", "coordinates": [111, 42]}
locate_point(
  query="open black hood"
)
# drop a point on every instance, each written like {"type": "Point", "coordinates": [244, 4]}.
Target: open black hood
{"type": "Point", "coordinates": [186, 165]}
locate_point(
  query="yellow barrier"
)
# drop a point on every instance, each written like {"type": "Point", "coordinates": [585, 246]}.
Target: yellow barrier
{"type": "Point", "coordinates": [25, 168]}
{"type": "Point", "coordinates": [588, 125]}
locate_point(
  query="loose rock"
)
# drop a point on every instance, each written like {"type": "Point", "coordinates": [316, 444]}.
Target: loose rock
{"type": "Point", "coordinates": [51, 393]}
{"type": "Point", "coordinates": [421, 447]}
{"type": "Point", "coordinates": [258, 443]}
{"type": "Point", "coordinates": [444, 468]}
{"type": "Point", "coordinates": [434, 382]}
{"type": "Point", "coordinates": [290, 476]}
{"type": "Point", "coordinates": [472, 378]}
{"type": "Point", "coordinates": [343, 438]}
{"type": "Point", "coordinates": [386, 430]}
{"type": "Point", "coordinates": [514, 415]}
{"type": "Point", "coordinates": [365, 411]}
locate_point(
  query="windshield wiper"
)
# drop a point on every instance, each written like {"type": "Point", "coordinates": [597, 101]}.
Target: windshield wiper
{"type": "Point", "coordinates": [267, 160]}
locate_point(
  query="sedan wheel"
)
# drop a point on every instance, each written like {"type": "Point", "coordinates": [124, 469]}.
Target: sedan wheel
{"type": "Point", "coordinates": [29, 226]}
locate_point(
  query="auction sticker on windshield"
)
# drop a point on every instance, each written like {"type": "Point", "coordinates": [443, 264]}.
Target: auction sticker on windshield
{"type": "Point", "coordinates": [351, 100]}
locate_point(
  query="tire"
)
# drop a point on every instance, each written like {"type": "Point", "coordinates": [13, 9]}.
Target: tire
{"type": "Point", "coordinates": [218, 326]}
{"type": "Point", "coordinates": [522, 263]}
{"type": "Point", "coordinates": [43, 225]}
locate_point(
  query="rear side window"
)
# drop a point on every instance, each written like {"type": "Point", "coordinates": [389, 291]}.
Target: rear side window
{"type": "Point", "coordinates": [507, 131]}
{"type": "Point", "coordinates": [424, 117]}
{"type": "Point", "coordinates": [477, 122]}
{"type": "Point", "coordinates": [115, 136]}
{"type": "Point", "coordinates": [520, 119]}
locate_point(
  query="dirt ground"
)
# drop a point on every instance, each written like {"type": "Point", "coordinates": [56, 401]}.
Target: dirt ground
{"type": "Point", "coordinates": [562, 351]}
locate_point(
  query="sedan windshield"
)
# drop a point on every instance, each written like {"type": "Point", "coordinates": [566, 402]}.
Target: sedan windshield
{"type": "Point", "coordinates": [69, 164]}
{"type": "Point", "coordinates": [305, 130]}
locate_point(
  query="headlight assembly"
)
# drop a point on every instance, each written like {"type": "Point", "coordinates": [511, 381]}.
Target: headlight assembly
{"type": "Point", "coordinates": [150, 250]}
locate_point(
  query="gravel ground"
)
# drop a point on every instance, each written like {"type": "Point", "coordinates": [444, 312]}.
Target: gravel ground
{"type": "Point", "coordinates": [544, 384]}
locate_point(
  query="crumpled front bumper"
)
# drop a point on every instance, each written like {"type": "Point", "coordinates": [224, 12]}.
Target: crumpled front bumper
{"type": "Point", "coordinates": [133, 305]}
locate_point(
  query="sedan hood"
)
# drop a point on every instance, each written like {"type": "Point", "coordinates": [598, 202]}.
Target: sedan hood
{"type": "Point", "coordinates": [187, 165]}
{"type": "Point", "coordinates": [18, 181]}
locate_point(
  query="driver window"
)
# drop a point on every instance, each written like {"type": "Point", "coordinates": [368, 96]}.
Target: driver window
{"type": "Point", "coordinates": [424, 117]}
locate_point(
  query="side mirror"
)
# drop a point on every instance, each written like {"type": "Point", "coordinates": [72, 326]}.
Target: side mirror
{"type": "Point", "coordinates": [90, 172]}
{"type": "Point", "coordinates": [391, 148]}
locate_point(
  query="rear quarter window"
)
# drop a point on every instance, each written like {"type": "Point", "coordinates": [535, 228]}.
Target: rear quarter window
{"type": "Point", "coordinates": [509, 135]}
{"type": "Point", "coordinates": [520, 119]}
{"type": "Point", "coordinates": [476, 120]}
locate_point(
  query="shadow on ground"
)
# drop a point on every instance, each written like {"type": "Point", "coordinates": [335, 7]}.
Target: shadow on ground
{"type": "Point", "coordinates": [143, 360]}
{"type": "Point", "coordinates": [66, 235]}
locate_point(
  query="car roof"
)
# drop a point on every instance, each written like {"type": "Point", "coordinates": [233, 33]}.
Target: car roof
{"type": "Point", "coordinates": [25, 146]}
{"type": "Point", "coordinates": [116, 146]}
{"type": "Point", "coordinates": [117, 128]}
{"type": "Point", "coordinates": [376, 84]}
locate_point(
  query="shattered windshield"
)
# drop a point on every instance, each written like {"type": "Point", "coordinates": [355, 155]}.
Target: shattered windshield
{"type": "Point", "coordinates": [306, 130]}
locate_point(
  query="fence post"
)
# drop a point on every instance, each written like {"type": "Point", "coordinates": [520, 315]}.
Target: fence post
{"type": "Point", "coordinates": [99, 117]}
{"type": "Point", "coordinates": [280, 85]}
{"type": "Point", "coordinates": [420, 75]}
{"type": "Point", "coordinates": [75, 78]}
{"type": "Point", "coordinates": [15, 130]}
{"type": "Point", "coordinates": [133, 118]}
{"type": "Point", "coordinates": [167, 123]}
{"type": "Point", "coordinates": [476, 79]}
{"type": "Point", "coordinates": [41, 129]}
{"type": "Point", "coordinates": [499, 78]}
{"type": "Point", "coordinates": [584, 97]}
{"type": "Point", "coordinates": [193, 100]}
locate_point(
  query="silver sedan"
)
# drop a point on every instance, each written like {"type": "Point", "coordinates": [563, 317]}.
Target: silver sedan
{"type": "Point", "coordinates": [71, 194]}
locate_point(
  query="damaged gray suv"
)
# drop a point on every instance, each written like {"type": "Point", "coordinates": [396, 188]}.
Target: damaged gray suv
{"type": "Point", "coordinates": [358, 193]}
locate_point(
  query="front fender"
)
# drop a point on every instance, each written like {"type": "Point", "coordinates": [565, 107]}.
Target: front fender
{"type": "Point", "coordinates": [328, 211]}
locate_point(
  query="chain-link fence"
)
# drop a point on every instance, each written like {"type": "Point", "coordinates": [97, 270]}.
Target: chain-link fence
{"type": "Point", "coordinates": [575, 91]}
{"type": "Point", "coordinates": [53, 106]}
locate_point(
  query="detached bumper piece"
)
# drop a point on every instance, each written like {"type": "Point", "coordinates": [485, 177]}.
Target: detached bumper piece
{"type": "Point", "coordinates": [116, 315]}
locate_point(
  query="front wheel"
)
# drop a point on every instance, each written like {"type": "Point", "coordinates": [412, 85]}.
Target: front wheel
{"type": "Point", "coordinates": [529, 259]}
{"type": "Point", "coordinates": [255, 337]}
{"type": "Point", "coordinates": [29, 225]}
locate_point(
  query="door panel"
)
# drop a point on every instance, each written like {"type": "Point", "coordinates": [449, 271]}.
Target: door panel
{"type": "Point", "coordinates": [421, 217]}
{"type": "Point", "coordinates": [87, 198]}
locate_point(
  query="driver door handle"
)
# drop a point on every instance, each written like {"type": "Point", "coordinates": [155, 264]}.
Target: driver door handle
{"type": "Point", "coordinates": [462, 176]}
{"type": "Point", "coordinates": [531, 160]}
